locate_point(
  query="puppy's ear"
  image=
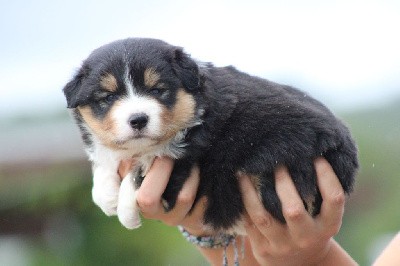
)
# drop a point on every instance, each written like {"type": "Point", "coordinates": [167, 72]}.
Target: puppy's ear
{"type": "Point", "coordinates": [72, 88]}
{"type": "Point", "coordinates": [186, 69]}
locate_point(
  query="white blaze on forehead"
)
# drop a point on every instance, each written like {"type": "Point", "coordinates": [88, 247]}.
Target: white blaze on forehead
{"type": "Point", "coordinates": [128, 82]}
{"type": "Point", "coordinates": [133, 104]}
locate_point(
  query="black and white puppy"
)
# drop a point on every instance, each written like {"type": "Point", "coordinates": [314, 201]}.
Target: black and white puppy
{"type": "Point", "coordinates": [142, 98]}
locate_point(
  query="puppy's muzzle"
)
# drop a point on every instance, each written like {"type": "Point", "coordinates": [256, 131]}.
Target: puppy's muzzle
{"type": "Point", "coordinates": [138, 121]}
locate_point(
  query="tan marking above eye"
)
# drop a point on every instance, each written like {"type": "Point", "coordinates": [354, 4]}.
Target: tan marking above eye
{"type": "Point", "coordinates": [150, 77]}
{"type": "Point", "coordinates": [109, 82]}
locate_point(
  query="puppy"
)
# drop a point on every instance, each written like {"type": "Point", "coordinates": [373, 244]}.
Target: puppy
{"type": "Point", "coordinates": [142, 98]}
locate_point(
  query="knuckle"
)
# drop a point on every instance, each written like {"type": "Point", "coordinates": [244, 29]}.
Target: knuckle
{"type": "Point", "coordinates": [146, 202]}
{"type": "Point", "coordinates": [294, 213]}
{"type": "Point", "coordinates": [262, 221]}
{"type": "Point", "coordinates": [337, 199]}
{"type": "Point", "coordinates": [340, 198]}
{"type": "Point", "coordinates": [185, 198]}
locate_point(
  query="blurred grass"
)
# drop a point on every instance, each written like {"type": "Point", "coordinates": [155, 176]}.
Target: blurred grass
{"type": "Point", "coordinates": [54, 210]}
{"type": "Point", "coordinates": [49, 206]}
{"type": "Point", "coordinates": [373, 209]}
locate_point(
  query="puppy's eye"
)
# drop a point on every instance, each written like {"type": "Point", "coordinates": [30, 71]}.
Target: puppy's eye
{"type": "Point", "coordinates": [155, 91]}
{"type": "Point", "coordinates": [111, 97]}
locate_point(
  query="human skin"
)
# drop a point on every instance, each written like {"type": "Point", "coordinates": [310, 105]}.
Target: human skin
{"type": "Point", "coordinates": [390, 255]}
{"type": "Point", "coordinates": [303, 240]}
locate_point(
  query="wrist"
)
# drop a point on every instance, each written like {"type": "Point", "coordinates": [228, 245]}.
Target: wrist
{"type": "Point", "coordinates": [335, 255]}
{"type": "Point", "coordinates": [211, 245]}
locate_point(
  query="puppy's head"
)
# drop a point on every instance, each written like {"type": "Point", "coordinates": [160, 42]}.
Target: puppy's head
{"type": "Point", "coordinates": [135, 91]}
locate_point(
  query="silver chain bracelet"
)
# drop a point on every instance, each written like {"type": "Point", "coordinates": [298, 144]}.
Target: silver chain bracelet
{"type": "Point", "coordinates": [218, 241]}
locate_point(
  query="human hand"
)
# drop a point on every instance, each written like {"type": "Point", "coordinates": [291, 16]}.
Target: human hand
{"type": "Point", "coordinates": [303, 240]}
{"type": "Point", "coordinates": [149, 196]}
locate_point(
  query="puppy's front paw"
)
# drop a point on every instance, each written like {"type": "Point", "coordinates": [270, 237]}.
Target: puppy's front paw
{"type": "Point", "coordinates": [105, 192]}
{"type": "Point", "coordinates": [128, 211]}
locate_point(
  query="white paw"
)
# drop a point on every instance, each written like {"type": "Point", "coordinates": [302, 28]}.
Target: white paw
{"type": "Point", "coordinates": [105, 193]}
{"type": "Point", "coordinates": [127, 210]}
{"type": "Point", "coordinates": [129, 218]}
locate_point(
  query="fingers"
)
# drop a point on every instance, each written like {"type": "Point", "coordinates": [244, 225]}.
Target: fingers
{"type": "Point", "coordinates": [125, 166]}
{"type": "Point", "coordinates": [259, 217]}
{"type": "Point", "coordinates": [184, 200]}
{"type": "Point", "coordinates": [332, 194]}
{"type": "Point", "coordinates": [296, 216]}
{"type": "Point", "coordinates": [254, 234]}
{"type": "Point", "coordinates": [300, 224]}
{"type": "Point", "coordinates": [153, 186]}
{"type": "Point", "coordinates": [194, 221]}
{"type": "Point", "coordinates": [265, 233]}
{"type": "Point", "coordinates": [302, 233]}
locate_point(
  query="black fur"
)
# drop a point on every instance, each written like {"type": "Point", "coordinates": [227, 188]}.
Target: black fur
{"type": "Point", "coordinates": [249, 124]}
{"type": "Point", "coordinates": [252, 125]}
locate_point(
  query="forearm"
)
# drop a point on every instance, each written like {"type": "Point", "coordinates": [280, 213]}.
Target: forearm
{"type": "Point", "coordinates": [390, 256]}
{"type": "Point", "coordinates": [336, 255]}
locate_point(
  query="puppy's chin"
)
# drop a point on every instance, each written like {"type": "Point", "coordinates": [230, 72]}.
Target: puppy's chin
{"type": "Point", "coordinates": [133, 138]}
{"type": "Point", "coordinates": [138, 143]}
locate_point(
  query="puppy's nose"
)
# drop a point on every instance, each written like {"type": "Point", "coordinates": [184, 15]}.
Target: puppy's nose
{"type": "Point", "coordinates": [138, 121]}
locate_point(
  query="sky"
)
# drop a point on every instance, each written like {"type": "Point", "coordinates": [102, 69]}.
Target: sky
{"type": "Point", "coordinates": [344, 53]}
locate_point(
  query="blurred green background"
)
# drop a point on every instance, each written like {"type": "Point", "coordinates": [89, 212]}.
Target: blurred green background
{"type": "Point", "coordinates": [344, 53]}
{"type": "Point", "coordinates": [47, 216]}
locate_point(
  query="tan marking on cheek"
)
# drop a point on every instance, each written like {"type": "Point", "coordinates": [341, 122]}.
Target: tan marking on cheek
{"type": "Point", "coordinates": [180, 116]}
{"type": "Point", "coordinates": [109, 82]}
{"type": "Point", "coordinates": [184, 109]}
{"type": "Point", "coordinates": [104, 129]}
{"type": "Point", "coordinates": [151, 77]}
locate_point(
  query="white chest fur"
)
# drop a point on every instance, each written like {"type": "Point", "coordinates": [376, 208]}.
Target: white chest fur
{"type": "Point", "coordinates": [116, 197]}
